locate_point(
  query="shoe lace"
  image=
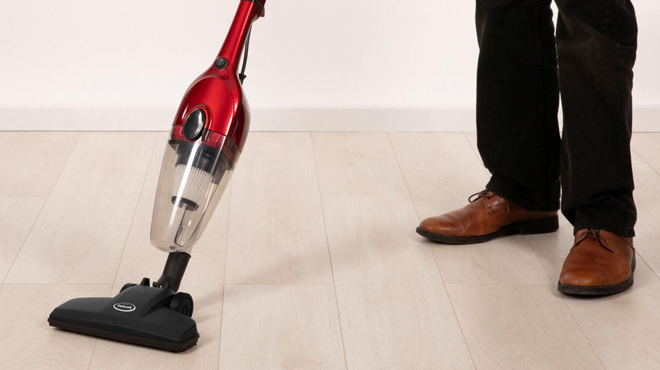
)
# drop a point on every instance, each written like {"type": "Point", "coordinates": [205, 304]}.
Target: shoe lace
{"type": "Point", "coordinates": [595, 235]}
{"type": "Point", "coordinates": [485, 194]}
{"type": "Point", "coordinates": [476, 196]}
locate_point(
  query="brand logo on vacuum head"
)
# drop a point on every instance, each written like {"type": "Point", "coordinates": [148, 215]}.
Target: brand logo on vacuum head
{"type": "Point", "coordinates": [124, 307]}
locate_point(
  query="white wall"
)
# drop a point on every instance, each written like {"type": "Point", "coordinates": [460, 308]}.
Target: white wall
{"type": "Point", "coordinates": [305, 54]}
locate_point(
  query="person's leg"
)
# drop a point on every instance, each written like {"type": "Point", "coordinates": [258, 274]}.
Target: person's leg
{"type": "Point", "coordinates": [518, 134]}
{"type": "Point", "coordinates": [597, 42]}
{"type": "Point", "coordinates": [517, 101]}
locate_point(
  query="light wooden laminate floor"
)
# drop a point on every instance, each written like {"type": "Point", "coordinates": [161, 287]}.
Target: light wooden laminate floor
{"type": "Point", "coordinates": [311, 260]}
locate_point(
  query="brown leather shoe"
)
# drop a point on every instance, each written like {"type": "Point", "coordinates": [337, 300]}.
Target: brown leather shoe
{"type": "Point", "coordinates": [487, 217]}
{"type": "Point", "coordinates": [600, 263]}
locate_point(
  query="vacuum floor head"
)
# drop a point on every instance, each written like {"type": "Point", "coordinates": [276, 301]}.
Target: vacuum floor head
{"type": "Point", "coordinates": [140, 314]}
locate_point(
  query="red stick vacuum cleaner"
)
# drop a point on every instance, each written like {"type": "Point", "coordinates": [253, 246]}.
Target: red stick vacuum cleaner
{"type": "Point", "coordinates": [206, 141]}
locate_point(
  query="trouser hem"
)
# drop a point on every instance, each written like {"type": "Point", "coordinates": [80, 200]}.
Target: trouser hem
{"type": "Point", "coordinates": [623, 231]}
{"type": "Point", "coordinates": [516, 194]}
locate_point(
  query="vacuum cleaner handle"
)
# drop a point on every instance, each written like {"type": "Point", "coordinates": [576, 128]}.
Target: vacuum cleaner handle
{"type": "Point", "coordinates": [260, 3]}
{"type": "Point", "coordinates": [230, 53]}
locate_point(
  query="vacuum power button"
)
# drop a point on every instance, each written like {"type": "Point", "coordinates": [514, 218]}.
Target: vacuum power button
{"type": "Point", "coordinates": [221, 63]}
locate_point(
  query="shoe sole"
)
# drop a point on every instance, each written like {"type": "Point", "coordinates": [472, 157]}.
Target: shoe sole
{"type": "Point", "coordinates": [599, 291]}
{"type": "Point", "coordinates": [543, 226]}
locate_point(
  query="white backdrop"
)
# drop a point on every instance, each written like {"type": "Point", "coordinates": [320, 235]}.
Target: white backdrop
{"type": "Point", "coordinates": [339, 54]}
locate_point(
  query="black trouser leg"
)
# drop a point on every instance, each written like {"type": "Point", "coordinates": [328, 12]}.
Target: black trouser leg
{"type": "Point", "coordinates": [517, 101]}
{"type": "Point", "coordinates": [596, 42]}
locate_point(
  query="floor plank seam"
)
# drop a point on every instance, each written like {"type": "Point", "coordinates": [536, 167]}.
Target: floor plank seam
{"type": "Point", "coordinates": [56, 283]}
{"type": "Point", "coordinates": [602, 364]}
{"type": "Point", "coordinates": [281, 284]}
{"type": "Point", "coordinates": [4, 279]}
{"type": "Point", "coordinates": [405, 181]}
{"type": "Point", "coordinates": [128, 234]}
{"type": "Point", "coordinates": [91, 357]}
{"type": "Point", "coordinates": [437, 268]}
{"type": "Point", "coordinates": [27, 236]}
{"type": "Point", "coordinates": [658, 175]}
{"type": "Point", "coordinates": [367, 196]}
{"type": "Point", "coordinates": [501, 284]}
{"type": "Point", "coordinates": [224, 274]}
{"type": "Point", "coordinates": [137, 203]}
{"type": "Point", "coordinates": [645, 161]}
{"type": "Point", "coordinates": [327, 241]}
{"type": "Point", "coordinates": [476, 153]}
{"type": "Point", "coordinates": [639, 256]}
{"type": "Point", "coordinates": [460, 326]}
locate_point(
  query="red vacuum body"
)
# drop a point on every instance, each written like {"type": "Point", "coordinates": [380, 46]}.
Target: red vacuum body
{"type": "Point", "coordinates": [218, 91]}
{"type": "Point", "coordinates": [207, 138]}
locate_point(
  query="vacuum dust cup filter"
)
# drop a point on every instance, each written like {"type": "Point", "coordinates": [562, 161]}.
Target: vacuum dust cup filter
{"type": "Point", "coordinates": [193, 178]}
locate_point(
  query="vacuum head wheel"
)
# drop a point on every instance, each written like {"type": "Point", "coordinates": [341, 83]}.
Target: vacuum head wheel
{"type": "Point", "coordinates": [182, 303]}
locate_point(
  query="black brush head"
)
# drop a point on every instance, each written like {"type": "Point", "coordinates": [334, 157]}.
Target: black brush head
{"type": "Point", "coordinates": [140, 314]}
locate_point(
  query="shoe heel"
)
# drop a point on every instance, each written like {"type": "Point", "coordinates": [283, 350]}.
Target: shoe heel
{"type": "Point", "coordinates": [548, 225]}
